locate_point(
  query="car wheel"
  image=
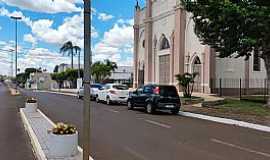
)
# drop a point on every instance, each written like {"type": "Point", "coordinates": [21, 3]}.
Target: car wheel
{"type": "Point", "coordinates": [130, 105]}
{"type": "Point", "coordinates": [108, 101]}
{"type": "Point", "coordinates": [149, 108]}
{"type": "Point", "coordinates": [175, 111]}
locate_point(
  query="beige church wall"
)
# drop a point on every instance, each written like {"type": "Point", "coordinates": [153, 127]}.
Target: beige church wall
{"type": "Point", "coordinates": [162, 6]}
{"type": "Point", "coordinates": [141, 50]}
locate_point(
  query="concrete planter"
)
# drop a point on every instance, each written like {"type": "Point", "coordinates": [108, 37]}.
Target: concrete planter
{"type": "Point", "coordinates": [63, 145]}
{"type": "Point", "coordinates": [31, 107]}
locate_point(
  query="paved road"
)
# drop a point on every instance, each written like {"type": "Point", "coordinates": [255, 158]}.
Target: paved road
{"type": "Point", "coordinates": [119, 134]}
{"type": "Point", "coordinates": [14, 141]}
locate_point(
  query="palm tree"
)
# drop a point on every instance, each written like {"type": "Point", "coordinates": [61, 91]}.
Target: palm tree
{"type": "Point", "coordinates": [68, 48]}
{"type": "Point", "coordinates": [78, 52]}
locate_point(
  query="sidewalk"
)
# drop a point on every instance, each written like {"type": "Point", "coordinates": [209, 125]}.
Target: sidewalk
{"type": "Point", "coordinates": [14, 141]}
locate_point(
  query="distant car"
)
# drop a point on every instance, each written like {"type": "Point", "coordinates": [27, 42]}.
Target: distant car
{"type": "Point", "coordinates": [155, 97]}
{"type": "Point", "coordinates": [95, 88]}
{"type": "Point", "coordinates": [113, 93]}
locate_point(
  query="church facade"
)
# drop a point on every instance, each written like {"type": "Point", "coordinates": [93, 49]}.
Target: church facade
{"type": "Point", "coordinates": [165, 45]}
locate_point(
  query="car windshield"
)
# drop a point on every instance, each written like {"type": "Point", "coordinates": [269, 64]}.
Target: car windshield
{"type": "Point", "coordinates": [96, 86]}
{"type": "Point", "coordinates": [120, 87]}
{"type": "Point", "coordinates": [168, 91]}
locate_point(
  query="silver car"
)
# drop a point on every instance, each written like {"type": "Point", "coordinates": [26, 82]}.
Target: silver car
{"type": "Point", "coordinates": [95, 88]}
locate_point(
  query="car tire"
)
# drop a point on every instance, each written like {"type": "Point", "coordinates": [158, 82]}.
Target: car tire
{"type": "Point", "coordinates": [150, 109]}
{"type": "Point", "coordinates": [130, 105]}
{"type": "Point", "coordinates": [108, 101]}
{"type": "Point", "coordinates": [175, 111]}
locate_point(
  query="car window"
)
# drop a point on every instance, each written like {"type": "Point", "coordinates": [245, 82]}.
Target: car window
{"type": "Point", "coordinates": [148, 90]}
{"type": "Point", "coordinates": [139, 91]}
{"type": "Point", "coordinates": [96, 86]}
{"type": "Point", "coordinates": [120, 87]}
{"type": "Point", "coordinates": [107, 87]}
{"type": "Point", "coordinates": [170, 91]}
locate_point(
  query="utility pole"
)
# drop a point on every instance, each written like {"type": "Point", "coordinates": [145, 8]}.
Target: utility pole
{"type": "Point", "coordinates": [16, 45]}
{"type": "Point", "coordinates": [87, 79]}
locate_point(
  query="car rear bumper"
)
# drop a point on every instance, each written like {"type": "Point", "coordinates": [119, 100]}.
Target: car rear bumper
{"type": "Point", "coordinates": [119, 99]}
{"type": "Point", "coordinates": [168, 106]}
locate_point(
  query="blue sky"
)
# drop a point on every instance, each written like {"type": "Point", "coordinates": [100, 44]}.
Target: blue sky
{"type": "Point", "coordinates": [45, 25]}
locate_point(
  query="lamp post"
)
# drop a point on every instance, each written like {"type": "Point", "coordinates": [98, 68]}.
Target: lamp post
{"type": "Point", "coordinates": [16, 18]}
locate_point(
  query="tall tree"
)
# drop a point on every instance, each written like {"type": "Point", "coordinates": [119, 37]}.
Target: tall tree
{"type": "Point", "coordinates": [68, 48]}
{"type": "Point", "coordinates": [102, 70]}
{"type": "Point", "coordinates": [233, 27]}
{"type": "Point", "coordinates": [77, 50]}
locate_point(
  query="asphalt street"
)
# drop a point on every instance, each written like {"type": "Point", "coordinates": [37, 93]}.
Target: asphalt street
{"type": "Point", "coordinates": [14, 141]}
{"type": "Point", "coordinates": [120, 134]}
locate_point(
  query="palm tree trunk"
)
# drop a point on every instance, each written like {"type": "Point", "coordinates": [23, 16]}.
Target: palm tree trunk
{"type": "Point", "coordinates": [79, 63]}
{"type": "Point", "coordinates": [72, 59]}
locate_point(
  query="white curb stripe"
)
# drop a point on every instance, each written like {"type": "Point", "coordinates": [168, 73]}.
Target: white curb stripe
{"type": "Point", "coordinates": [227, 121]}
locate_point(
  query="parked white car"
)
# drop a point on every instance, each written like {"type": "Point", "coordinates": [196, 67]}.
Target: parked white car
{"type": "Point", "coordinates": [113, 93]}
{"type": "Point", "coordinates": [95, 88]}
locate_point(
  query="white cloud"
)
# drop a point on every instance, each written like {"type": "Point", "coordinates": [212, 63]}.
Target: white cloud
{"type": "Point", "coordinates": [105, 17]}
{"type": "Point", "coordinates": [71, 30]}
{"type": "Point", "coordinates": [0, 28]}
{"type": "Point", "coordinates": [117, 44]}
{"type": "Point", "coordinates": [29, 38]}
{"type": "Point", "coordinates": [46, 6]}
{"type": "Point", "coordinates": [42, 30]}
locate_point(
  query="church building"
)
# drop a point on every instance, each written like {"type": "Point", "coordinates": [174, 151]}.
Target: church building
{"type": "Point", "coordinates": [165, 45]}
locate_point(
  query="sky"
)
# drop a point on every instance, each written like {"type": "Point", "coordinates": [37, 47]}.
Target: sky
{"type": "Point", "coordinates": [46, 25]}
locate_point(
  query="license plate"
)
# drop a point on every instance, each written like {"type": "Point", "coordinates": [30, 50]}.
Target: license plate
{"type": "Point", "coordinates": [169, 106]}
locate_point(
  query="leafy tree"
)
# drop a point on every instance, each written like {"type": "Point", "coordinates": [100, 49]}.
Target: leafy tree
{"type": "Point", "coordinates": [56, 68]}
{"type": "Point", "coordinates": [186, 81]}
{"type": "Point", "coordinates": [237, 28]}
{"type": "Point", "coordinates": [101, 70]}
{"type": "Point", "coordinates": [68, 48]}
{"type": "Point", "coordinates": [59, 78]}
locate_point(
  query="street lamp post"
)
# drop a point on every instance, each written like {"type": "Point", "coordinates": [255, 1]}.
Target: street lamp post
{"type": "Point", "coordinates": [16, 18]}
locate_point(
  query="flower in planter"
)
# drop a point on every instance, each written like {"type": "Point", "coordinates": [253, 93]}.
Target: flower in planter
{"type": "Point", "coordinates": [31, 100]}
{"type": "Point", "coordinates": [64, 129]}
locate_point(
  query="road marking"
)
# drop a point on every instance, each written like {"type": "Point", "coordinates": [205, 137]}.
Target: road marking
{"type": "Point", "coordinates": [136, 154]}
{"type": "Point", "coordinates": [158, 124]}
{"type": "Point", "coordinates": [241, 148]}
{"type": "Point", "coordinates": [112, 110]}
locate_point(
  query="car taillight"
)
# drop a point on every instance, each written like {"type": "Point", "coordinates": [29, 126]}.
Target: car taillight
{"type": "Point", "coordinates": [112, 91]}
{"type": "Point", "coordinates": [156, 90]}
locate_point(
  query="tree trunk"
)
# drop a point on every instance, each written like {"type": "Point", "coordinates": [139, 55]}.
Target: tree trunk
{"type": "Point", "coordinates": [71, 59]}
{"type": "Point", "coordinates": [79, 65]}
{"type": "Point", "coordinates": [267, 67]}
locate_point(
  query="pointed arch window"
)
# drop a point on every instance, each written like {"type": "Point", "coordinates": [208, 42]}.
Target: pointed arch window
{"type": "Point", "coordinates": [164, 43]}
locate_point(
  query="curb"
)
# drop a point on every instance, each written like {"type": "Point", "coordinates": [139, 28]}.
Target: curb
{"type": "Point", "coordinates": [34, 140]}
{"type": "Point", "coordinates": [52, 123]}
{"type": "Point", "coordinates": [227, 121]}
{"type": "Point", "coordinates": [60, 93]}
